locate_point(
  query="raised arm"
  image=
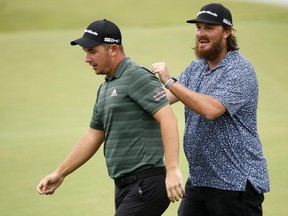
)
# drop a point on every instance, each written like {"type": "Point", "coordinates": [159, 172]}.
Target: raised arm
{"type": "Point", "coordinates": [202, 104]}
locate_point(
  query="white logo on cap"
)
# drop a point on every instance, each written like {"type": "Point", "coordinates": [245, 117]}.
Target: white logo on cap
{"type": "Point", "coordinates": [91, 32]}
{"type": "Point", "coordinates": [111, 40]}
{"type": "Point", "coordinates": [208, 12]}
{"type": "Point", "coordinates": [227, 22]}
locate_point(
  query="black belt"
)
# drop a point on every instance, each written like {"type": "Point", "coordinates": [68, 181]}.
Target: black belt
{"type": "Point", "coordinates": [134, 176]}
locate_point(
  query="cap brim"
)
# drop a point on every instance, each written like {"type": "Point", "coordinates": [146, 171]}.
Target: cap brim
{"type": "Point", "coordinates": [85, 42]}
{"type": "Point", "coordinates": [203, 21]}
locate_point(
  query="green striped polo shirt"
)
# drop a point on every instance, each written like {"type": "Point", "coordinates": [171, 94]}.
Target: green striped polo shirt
{"type": "Point", "coordinates": [123, 109]}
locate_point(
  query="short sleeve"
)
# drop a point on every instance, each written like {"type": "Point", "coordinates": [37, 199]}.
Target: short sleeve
{"type": "Point", "coordinates": [147, 91]}
{"type": "Point", "coordinates": [234, 90]}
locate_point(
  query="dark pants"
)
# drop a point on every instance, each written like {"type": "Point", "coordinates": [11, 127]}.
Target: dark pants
{"type": "Point", "coordinates": [204, 201]}
{"type": "Point", "coordinates": [145, 197]}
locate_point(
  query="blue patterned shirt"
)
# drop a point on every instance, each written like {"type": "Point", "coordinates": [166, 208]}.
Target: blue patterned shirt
{"type": "Point", "coordinates": [225, 152]}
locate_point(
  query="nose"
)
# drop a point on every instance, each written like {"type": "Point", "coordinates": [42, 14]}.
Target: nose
{"type": "Point", "coordinates": [88, 58]}
{"type": "Point", "coordinates": [200, 32]}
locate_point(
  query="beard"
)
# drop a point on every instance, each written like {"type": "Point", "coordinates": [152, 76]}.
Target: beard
{"type": "Point", "coordinates": [210, 54]}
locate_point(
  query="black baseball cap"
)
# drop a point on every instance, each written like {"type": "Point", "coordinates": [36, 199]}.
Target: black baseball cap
{"type": "Point", "coordinates": [214, 13]}
{"type": "Point", "coordinates": [99, 32]}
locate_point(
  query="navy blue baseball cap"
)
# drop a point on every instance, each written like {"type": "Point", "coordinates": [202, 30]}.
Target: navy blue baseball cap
{"type": "Point", "coordinates": [99, 32]}
{"type": "Point", "coordinates": [214, 13]}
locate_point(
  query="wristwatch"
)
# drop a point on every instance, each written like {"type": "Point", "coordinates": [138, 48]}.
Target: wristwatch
{"type": "Point", "coordinates": [170, 82]}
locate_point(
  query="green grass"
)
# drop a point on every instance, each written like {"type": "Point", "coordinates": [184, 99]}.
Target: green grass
{"type": "Point", "coordinates": [47, 92]}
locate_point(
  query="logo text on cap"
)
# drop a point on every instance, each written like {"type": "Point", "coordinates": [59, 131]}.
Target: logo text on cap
{"type": "Point", "coordinates": [111, 40]}
{"type": "Point", "coordinates": [208, 12]}
{"type": "Point", "coordinates": [227, 22]}
{"type": "Point", "coordinates": [91, 32]}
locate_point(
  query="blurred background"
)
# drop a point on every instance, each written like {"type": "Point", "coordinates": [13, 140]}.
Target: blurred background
{"type": "Point", "coordinates": [47, 91]}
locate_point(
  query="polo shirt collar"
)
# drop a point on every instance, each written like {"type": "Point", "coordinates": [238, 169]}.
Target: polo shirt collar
{"type": "Point", "coordinates": [120, 69]}
{"type": "Point", "coordinates": [222, 63]}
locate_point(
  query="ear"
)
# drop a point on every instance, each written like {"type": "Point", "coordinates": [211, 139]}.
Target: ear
{"type": "Point", "coordinates": [114, 49]}
{"type": "Point", "coordinates": [227, 32]}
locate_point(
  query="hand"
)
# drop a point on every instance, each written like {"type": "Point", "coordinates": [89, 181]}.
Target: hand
{"type": "Point", "coordinates": [50, 183]}
{"type": "Point", "coordinates": [161, 69]}
{"type": "Point", "coordinates": [174, 185]}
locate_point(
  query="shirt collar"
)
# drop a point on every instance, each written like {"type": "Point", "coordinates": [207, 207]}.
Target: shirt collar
{"type": "Point", "coordinates": [120, 69]}
{"type": "Point", "coordinates": [222, 63]}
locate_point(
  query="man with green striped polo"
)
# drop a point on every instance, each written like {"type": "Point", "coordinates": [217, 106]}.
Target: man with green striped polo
{"type": "Point", "coordinates": [134, 120]}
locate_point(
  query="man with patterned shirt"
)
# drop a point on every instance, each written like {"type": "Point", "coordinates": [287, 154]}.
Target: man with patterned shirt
{"type": "Point", "coordinates": [227, 170]}
{"type": "Point", "coordinates": [133, 118]}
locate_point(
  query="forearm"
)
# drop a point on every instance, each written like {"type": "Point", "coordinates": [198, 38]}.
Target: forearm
{"type": "Point", "coordinates": [171, 97]}
{"type": "Point", "coordinates": [86, 147]}
{"type": "Point", "coordinates": [170, 138]}
{"type": "Point", "coordinates": [202, 104]}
